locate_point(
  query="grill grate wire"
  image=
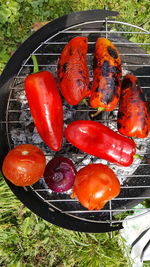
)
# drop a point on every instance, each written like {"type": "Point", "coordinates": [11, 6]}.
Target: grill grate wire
{"type": "Point", "coordinates": [131, 61]}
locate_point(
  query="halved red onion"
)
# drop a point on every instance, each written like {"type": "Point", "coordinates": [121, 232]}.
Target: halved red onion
{"type": "Point", "coordinates": [60, 174]}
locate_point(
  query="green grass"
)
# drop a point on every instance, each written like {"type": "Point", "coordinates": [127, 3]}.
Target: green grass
{"type": "Point", "coordinates": [18, 16]}
{"type": "Point", "coordinates": [25, 239]}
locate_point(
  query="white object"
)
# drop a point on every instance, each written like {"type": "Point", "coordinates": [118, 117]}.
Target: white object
{"type": "Point", "coordinates": [136, 232]}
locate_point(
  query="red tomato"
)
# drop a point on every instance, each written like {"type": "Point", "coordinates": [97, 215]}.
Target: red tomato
{"type": "Point", "coordinates": [95, 185]}
{"type": "Point", "coordinates": [24, 165]}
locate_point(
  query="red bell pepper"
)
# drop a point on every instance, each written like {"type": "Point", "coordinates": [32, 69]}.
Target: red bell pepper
{"type": "Point", "coordinates": [133, 116]}
{"type": "Point", "coordinates": [73, 73]}
{"type": "Point", "coordinates": [46, 107]}
{"type": "Point", "coordinates": [97, 139]}
{"type": "Point", "coordinates": [105, 91]}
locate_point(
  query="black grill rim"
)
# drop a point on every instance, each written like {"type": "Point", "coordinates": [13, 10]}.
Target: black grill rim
{"type": "Point", "coordinates": [42, 209]}
{"type": "Point", "coordinates": [29, 198]}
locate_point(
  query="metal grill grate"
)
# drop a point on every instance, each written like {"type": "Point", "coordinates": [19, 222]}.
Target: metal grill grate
{"type": "Point", "coordinates": [135, 180]}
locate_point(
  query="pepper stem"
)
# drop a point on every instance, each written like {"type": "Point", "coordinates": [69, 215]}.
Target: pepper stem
{"type": "Point", "coordinates": [137, 156]}
{"type": "Point", "coordinates": [84, 101]}
{"type": "Point", "coordinates": [35, 64]}
{"type": "Point", "coordinates": [99, 109]}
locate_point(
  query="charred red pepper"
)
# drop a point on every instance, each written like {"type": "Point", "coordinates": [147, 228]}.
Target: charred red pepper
{"type": "Point", "coordinates": [133, 116]}
{"type": "Point", "coordinates": [73, 74]}
{"type": "Point", "coordinates": [97, 139]}
{"type": "Point", "coordinates": [105, 91]}
{"type": "Point", "coordinates": [46, 107]}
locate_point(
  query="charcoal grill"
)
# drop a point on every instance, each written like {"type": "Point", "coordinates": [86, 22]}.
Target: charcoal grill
{"type": "Point", "coordinates": [17, 127]}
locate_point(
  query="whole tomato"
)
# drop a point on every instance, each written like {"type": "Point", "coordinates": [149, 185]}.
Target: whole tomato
{"type": "Point", "coordinates": [95, 185]}
{"type": "Point", "coordinates": [24, 165]}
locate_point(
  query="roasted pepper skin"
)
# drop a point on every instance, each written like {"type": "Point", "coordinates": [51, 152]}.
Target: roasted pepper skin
{"type": "Point", "coordinates": [133, 116]}
{"type": "Point", "coordinates": [73, 76]}
{"type": "Point", "coordinates": [98, 140]}
{"type": "Point", "coordinates": [46, 107]}
{"type": "Point", "coordinates": [105, 90]}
